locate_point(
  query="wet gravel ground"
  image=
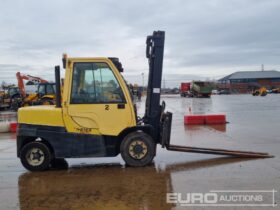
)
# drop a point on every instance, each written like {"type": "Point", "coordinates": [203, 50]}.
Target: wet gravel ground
{"type": "Point", "coordinates": [105, 183]}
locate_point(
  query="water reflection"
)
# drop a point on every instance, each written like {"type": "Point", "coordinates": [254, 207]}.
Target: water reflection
{"type": "Point", "coordinates": [105, 186]}
{"type": "Point", "coordinates": [197, 105]}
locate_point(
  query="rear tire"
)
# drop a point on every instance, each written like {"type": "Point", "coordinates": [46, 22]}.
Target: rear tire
{"type": "Point", "coordinates": [138, 149]}
{"type": "Point", "coordinates": [35, 156]}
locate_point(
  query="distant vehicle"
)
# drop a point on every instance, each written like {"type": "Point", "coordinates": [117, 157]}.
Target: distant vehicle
{"type": "Point", "coordinates": [275, 90]}
{"type": "Point", "coordinates": [201, 89]}
{"type": "Point", "coordinates": [269, 91]}
{"type": "Point", "coordinates": [260, 92]}
{"type": "Point", "coordinates": [197, 89]}
{"type": "Point", "coordinates": [224, 92]}
{"type": "Point", "coordinates": [215, 92]}
{"type": "Point", "coordinates": [175, 91]}
{"type": "Point", "coordinates": [185, 89]}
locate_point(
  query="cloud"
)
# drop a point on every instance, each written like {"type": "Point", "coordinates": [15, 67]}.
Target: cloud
{"type": "Point", "coordinates": [205, 38]}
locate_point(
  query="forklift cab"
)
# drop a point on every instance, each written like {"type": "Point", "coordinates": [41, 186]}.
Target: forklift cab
{"type": "Point", "coordinates": [94, 82]}
{"type": "Point", "coordinates": [96, 98]}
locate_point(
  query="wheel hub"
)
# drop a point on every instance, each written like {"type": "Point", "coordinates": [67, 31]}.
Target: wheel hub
{"type": "Point", "coordinates": [35, 156]}
{"type": "Point", "coordinates": [138, 149]}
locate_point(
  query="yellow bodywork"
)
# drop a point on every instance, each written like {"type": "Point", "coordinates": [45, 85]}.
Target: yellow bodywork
{"type": "Point", "coordinates": [41, 115]}
{"type": "Point", "coordinates": [100, 119]}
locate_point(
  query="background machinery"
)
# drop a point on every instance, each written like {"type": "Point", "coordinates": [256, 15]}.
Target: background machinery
{"type": "Point", "coordinates": [201, 89]}
{"type": "Point", "coordinates": [276, 90]}
{"type": "Point", "coordinates": [9, 94]}
{"type": "Point", "coordinates": [97, 118]}
{"type": "Point", "coordinates": [197, 89]}
{"type": "Point", "coordinates": [262, 91]}
{"type": "Point", "coordinates": [44, 95]}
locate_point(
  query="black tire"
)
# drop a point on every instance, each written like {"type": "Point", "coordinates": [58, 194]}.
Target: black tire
{"type": "Point", "coordinates": [59, 163]}
{"type": "Point", "coordinates": [138, 149]}
{"type": "Point", "coordinates": [29, 162]}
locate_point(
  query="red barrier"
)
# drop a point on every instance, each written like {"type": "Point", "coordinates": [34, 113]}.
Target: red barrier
{"type": "Point", "coordinates": [194, 119]}
{"type": "Point", "coordinates": [205, 119]}
{"type": "Point", "coordinates": [215, 119]}
{"type": "Point", "coordinates": [13, 127]}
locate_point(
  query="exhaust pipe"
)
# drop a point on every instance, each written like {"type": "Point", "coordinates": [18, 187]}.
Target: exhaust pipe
{"type": "Point", "coordinates": [57, 87]}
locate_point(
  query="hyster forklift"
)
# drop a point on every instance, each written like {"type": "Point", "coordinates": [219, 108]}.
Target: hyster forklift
{"type": "Point", "coordinates": [97, 118]}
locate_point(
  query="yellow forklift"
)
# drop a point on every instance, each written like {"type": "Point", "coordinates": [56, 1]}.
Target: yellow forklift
{"type": "Point", "coordinates": [97, 118]}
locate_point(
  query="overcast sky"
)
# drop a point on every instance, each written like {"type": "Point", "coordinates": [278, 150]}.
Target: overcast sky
{"type": "Point", "coordinates": [207, 38]}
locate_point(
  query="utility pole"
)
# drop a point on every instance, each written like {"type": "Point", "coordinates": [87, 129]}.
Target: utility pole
{"type": "Point", "coordinates": [262, 67]}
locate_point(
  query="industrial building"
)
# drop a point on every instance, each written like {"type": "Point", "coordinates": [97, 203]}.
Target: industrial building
{"type": "Point", "coordinates": [247, 81]}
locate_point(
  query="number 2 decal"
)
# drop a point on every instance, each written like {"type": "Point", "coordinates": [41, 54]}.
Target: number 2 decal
{"type": "Point", "coordinates": [106, 107]}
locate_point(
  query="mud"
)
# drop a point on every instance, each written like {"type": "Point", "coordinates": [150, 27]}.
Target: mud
{"type": "Point", "coordinates": [106, 183]}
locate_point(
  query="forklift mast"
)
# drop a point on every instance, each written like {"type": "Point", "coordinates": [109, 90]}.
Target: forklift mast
{"type": "Point", "coordinates": [161, 121]}
{"type": "Point", "coordinates": [154, 53]}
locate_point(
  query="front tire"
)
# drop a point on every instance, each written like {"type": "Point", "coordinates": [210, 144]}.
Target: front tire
{"type": "Point", "coordinates": [138, 149]}
{"type": "Point", "coordinates": [35, 156]}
